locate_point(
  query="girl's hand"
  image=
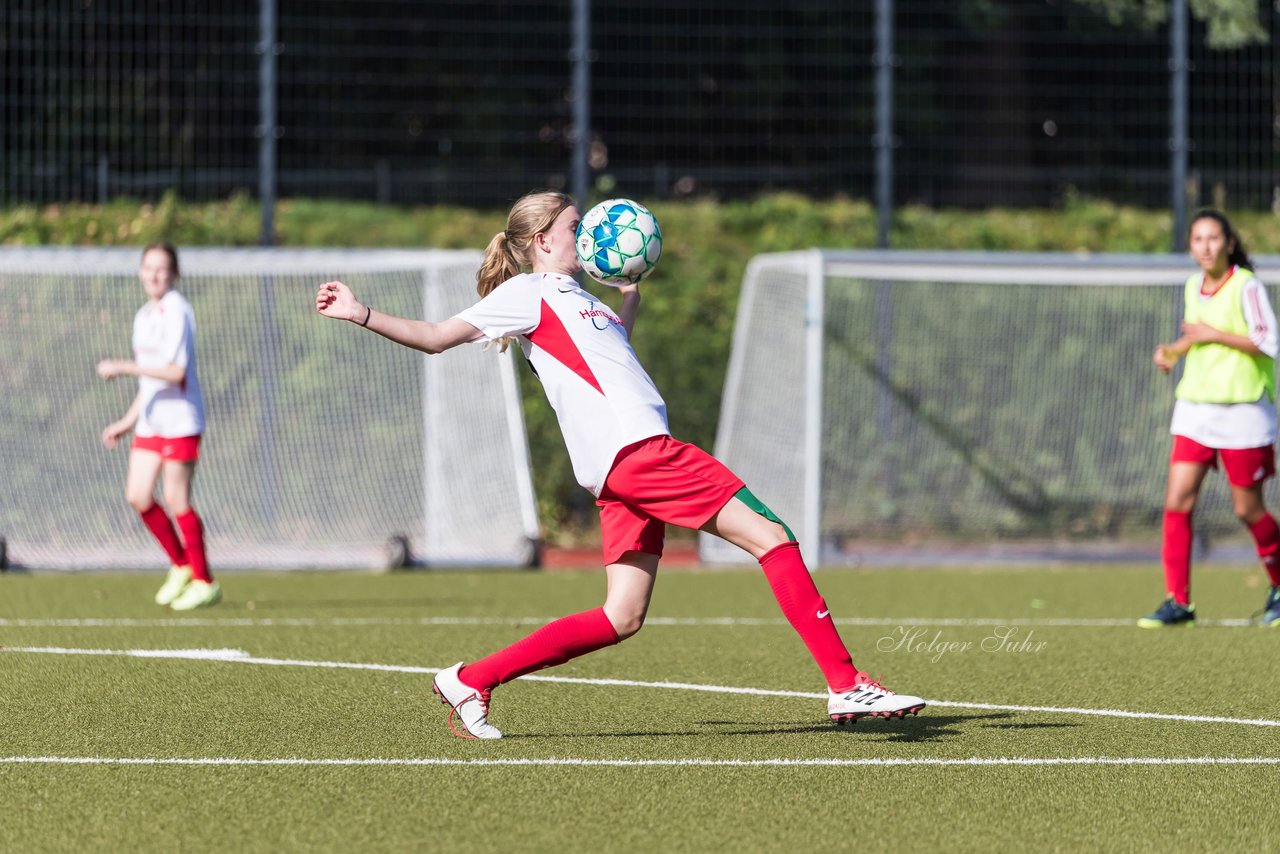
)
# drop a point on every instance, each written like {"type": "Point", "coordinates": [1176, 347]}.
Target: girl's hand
{"type": "Point", "coordinates": [111, 368]}
{"type": "Point", "coordinates": [112, 433]}
{"type": "Point", "coordinates": [1165, 358]}
{"type": "Point", "coordinates": [629, 289]}
{"type": "Point", "coordinates": [335, 300]}
{"type": "Point", "coordinates": [1200, 333]}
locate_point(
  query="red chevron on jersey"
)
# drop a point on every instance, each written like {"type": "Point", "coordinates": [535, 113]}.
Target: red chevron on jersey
{"type": "Point", "coordinates": [580, 350]}
{"type": "Point", "coordinates": [552, 337]}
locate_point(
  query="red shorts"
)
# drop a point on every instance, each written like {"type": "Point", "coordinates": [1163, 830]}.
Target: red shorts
{"type": "Point", "coordinates": [183, 449]}
{"type": "Point", "coordinates": [1245, 466]}
{"type": "Point", "coordinates": [655, 481]}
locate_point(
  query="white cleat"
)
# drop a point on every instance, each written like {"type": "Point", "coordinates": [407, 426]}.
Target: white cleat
{"type": "Point", "coordinates": [471, 706]}
{"type": "Point", "coordinates": [870, 699]}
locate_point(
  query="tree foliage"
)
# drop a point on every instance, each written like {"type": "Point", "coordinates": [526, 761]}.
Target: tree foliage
{"type": "Point", "coordinates": [1228, 24]}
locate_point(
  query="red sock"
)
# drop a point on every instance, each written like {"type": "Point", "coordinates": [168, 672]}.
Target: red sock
{"type": "Point", "coordinates": [555, 643]}
{"type": "Point", "coordinates": [157, 521]}
{"type": "Point", "coordinates": [1267, 535]}
{"type": "Point", "coordinates": [803, 607]}
{"type": "Point", "coordinates": [1176, 555]}
{"type": "Point", "coordinates": [193, 536]}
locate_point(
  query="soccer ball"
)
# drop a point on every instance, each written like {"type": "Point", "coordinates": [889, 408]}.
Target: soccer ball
{"type": "Point", "coordinates": [619, 242]}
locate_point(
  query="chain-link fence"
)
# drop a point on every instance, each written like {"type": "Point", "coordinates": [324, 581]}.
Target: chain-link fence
{"type": "Point", "coordinates": [408, 101]}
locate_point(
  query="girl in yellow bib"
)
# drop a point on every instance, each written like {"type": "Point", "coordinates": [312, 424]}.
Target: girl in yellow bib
{"type": "Point", "coordinates": [1225, 409]}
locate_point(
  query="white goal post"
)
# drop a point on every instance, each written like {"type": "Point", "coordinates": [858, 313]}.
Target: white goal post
{"type": "Point", "coordinates": [958, 406]}
{"type": "Point", "coordinates": [326, 446]}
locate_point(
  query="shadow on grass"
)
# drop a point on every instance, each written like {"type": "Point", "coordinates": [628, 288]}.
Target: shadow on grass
{"type": "Point", "coordinates": [922, 728]}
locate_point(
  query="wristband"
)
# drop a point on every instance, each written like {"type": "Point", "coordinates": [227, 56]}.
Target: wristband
{"type": "Point", "coordinates": [368, 311]}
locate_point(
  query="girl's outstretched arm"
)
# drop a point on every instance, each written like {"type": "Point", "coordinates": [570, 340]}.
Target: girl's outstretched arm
{"type": "Point", "coordinates": [113, 431]}
{"type": "Point", "coordinates": [336, 300]}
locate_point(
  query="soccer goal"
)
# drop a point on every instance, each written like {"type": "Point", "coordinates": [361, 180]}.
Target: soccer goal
{"type": "Point", "coordinates": [326, 445]}
{"type": "Point", "coordinates": [894, 406]}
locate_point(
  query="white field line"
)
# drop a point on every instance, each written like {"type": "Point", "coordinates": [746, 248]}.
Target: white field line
{"type": "Point", "coordinates": [311, 622]}
{"type": "Point", "coordinates": [658, 763]}
{"type": "Point", "coordinates": [237, 656]}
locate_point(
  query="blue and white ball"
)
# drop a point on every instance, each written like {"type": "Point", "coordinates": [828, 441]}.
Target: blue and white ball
{"type": "Point", "coordinates": [619, 242]}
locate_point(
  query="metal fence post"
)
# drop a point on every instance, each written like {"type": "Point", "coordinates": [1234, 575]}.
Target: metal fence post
{"type": "Point", "coordinates": [1179, 70]}
{"type": "Point", "coordinates": [267, 50]}
{"type": "Point", "coordinates": [581, 57]}
{"type": "Point", "coordinates": [104, 179]}
{"type": "Point", "coordinates": [883, 140]}
{"type": "Point", "coordinates": [884, 61]}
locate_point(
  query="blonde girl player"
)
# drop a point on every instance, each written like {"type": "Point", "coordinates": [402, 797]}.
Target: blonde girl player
{"type": "Point", "coordinates": [167, 420]}
{"type": "Point", "coordinates": [615, 426]}
{"type": "Point", "coordinates": [1225, 409]}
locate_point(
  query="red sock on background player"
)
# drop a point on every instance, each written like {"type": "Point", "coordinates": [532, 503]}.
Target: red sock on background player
{"type": "Point", "coordinates": [1266, 535]}
{"type": "Point", "coordinates": [193, 537]}
{"type": "Point", "coordinates": [1176, 555]}
{"type": "Point", "coordinates": [158, 523]}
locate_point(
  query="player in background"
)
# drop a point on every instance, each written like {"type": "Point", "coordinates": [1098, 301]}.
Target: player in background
{"type": "Point", "coordinates": [614, 423]}
{"type": "Point", "coordinates": [167, 417]}
{"type": "Point", "coordinates": [1225, 408]}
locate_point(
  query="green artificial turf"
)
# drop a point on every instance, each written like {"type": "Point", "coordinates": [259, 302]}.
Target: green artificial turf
{"type": "Point", "coordinates": [936, 633]}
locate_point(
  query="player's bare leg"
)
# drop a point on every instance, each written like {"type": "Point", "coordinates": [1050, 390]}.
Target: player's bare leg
{"type": "Point", "coordinates": [631, 582]}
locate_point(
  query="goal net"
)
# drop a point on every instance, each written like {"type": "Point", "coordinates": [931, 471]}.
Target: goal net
{"type": "Point", "coordinates": [896, 406]}
{"type": "Point", "coordinates": [326, 446]}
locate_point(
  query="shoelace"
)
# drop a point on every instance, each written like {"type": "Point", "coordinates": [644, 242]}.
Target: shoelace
{"type": "Point", "coordinates": [483, 698]}
{"type": "Point", "coordinates": [873, 685]}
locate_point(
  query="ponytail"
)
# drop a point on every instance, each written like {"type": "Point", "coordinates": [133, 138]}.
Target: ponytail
{"type": "Point", "coordinates": [499, 264]}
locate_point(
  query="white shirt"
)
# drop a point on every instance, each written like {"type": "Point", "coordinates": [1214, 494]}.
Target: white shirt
{"type": "Point", "coordinates": [579, 349]}
{"type": "Point", "coordinates": [1236, 425]}
{"type": "Point", "coordinates": [164, 333]}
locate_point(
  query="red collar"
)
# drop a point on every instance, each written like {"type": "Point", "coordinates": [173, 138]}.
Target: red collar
{"type": "Point", "coordinates": [1230, 272]}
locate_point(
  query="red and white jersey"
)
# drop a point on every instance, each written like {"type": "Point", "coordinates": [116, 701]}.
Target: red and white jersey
{"type": "Point", "coordinates": [164, 333]}
{"type": "Point", "coordinates": [579, 349]}
{"type": "Point", "coordinates": [1236, 425]}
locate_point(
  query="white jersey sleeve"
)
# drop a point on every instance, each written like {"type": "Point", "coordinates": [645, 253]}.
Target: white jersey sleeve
{"type": "Point", "coordinates": [177, 339]}
{"type": "Point", "coordinates": [1260, 317]}
{"type": "Point", "coordinates": [512, 308]}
